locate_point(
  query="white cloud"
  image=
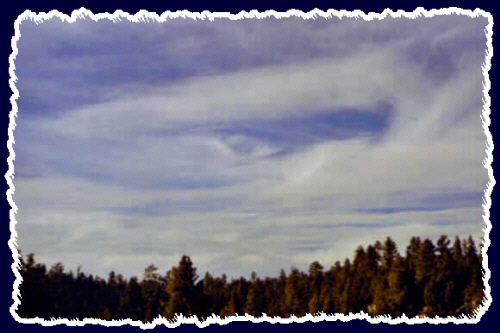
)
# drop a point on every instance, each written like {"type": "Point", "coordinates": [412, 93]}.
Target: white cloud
{"type": "Point", "coordinates": [143, 177]}
{"type": "Point", "coordinates": [262, 93]}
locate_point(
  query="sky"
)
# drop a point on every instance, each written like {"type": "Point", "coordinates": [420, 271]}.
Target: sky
{"type": "Point", "coordinates": [249, 145]}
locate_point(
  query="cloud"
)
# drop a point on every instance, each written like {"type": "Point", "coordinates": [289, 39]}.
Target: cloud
{"type": "Point", "coordinates": [251, 145]}
{"type": "Point", "coordinates": [263, 93]}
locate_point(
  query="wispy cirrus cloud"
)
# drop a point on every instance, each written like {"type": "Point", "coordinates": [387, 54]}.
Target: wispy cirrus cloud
{"type": "Point", "coordinates": [250, 144]}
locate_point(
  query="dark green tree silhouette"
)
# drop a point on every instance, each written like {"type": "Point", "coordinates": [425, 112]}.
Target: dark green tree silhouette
{"type": "Point", "coordinates": [431, 280]}
{"type": "Point", "coordinates": [181, 289]}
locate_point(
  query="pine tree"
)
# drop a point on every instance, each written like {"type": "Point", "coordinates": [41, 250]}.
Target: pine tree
{"type": "Point", "coordinates": [474, 289]}
{"type": "Point", "coordinates": [280, 294]}
{"type": "Point", "coordinates": [131, 302]}
{"type": "Point", "coordinates": [342, 296]}
{"type": "Point", "coordinates": [425, 275]}
{"type": "Point", "coordinates": [389, 297]}
{"type": "Point", "coordinates": [429, 281]}
{"type": "Point", "coordinates": [180, 289]}
{"type": "Point", "coordinates": [151, 286]}
{"type": "Point", "coordinates": [425, 262]}
{"type": "Point", "coordinates": [446, 288]}
{"type": "Point", "coordinates": [389, 253]}
{"type": "Point", "coordinates": [359, 285]}
{"type": "Point", "coordinates": [255, 305]}
{"type": "Point", "coordinates": [296, 303]}
{"type": "Point", "coordinates": [316, 278]}
{"type": "Point", "coordinates": [327, 289]}
{"type": "Point", "coordinates": [230, 309]}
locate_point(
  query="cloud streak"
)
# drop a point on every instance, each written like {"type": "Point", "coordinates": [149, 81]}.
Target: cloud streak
{"type": "Point", "coordinates": [251, 145]}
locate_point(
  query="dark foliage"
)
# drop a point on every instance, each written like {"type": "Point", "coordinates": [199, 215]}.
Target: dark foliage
{"type": "Point", "coordinates": [431, 280]}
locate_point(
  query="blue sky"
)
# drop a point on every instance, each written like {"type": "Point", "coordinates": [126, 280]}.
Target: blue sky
{"type": "Point", "coordinates": [250, 145]}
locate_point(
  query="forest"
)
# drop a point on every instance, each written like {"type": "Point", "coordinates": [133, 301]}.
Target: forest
{"type": "Point", "coordinates": [428, 280]}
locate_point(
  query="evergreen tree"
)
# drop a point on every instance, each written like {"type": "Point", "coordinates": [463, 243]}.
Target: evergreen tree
{"type": "Point", "coordinates": [316, 278]}
{"type": "Point", "coordinates": [390, 296]}
{"type": "Point", "coordinates": [151, 286]}
{"type": "Point", "coordinates": [180, 289]}
{"type": "Point", "coordinates": [342, 295]}
{"type": "Point", "coordinates": [432, 280]}
{"type": "Point", "coordinates": [296, 303]}
{"type": "Point", "coordinates": [230, 309]}
{"type": "Point", "coordinates": [255, 305]}
{"type": "Point", "coordinates": [389, 253]}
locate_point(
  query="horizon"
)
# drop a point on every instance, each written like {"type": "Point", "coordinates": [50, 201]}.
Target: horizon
{"type": "Point", "coordinates": [200, 276]}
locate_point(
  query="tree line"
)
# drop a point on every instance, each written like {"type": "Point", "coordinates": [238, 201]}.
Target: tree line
{"type": "Point", "coordinates": [441, 279]}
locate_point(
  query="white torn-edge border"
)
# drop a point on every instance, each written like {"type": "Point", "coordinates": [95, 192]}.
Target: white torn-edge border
{"type": "Point", "coordinates": [145, 16]}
